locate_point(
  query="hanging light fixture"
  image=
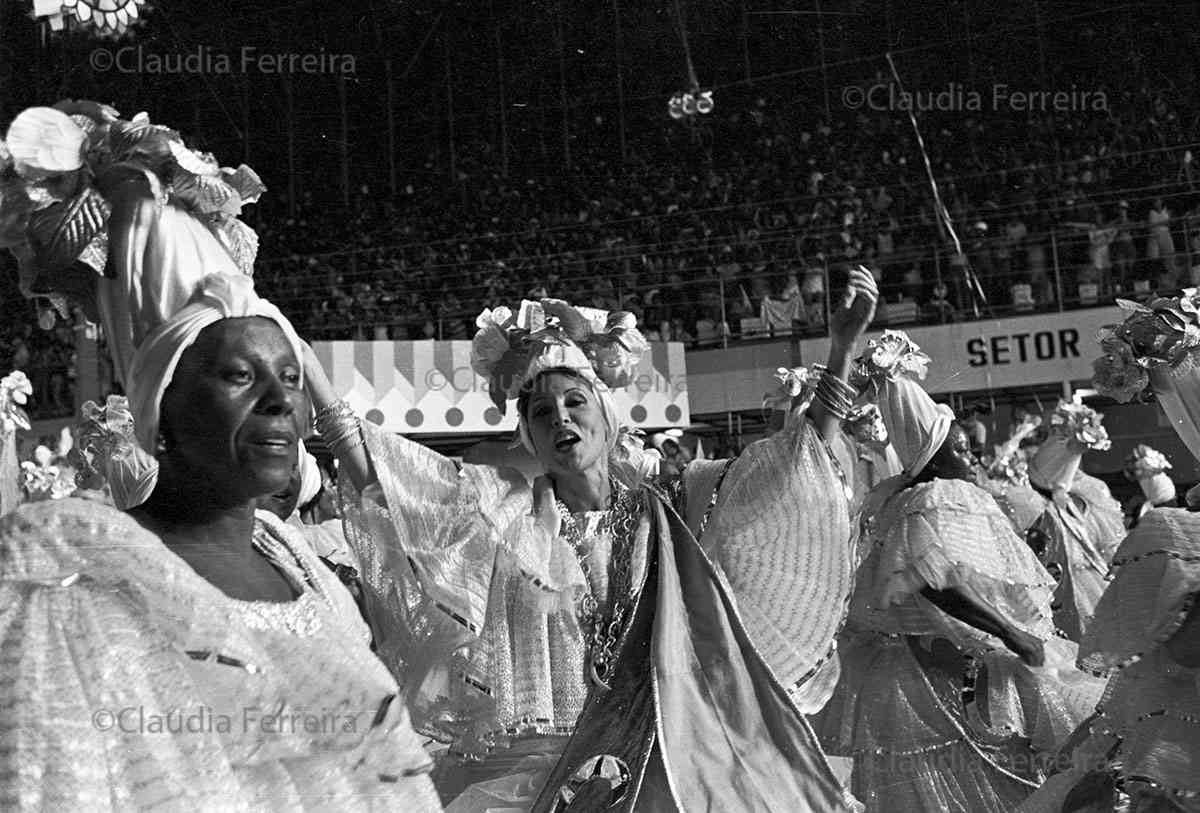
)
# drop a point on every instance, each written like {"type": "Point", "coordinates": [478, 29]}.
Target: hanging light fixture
{"type": "Point", "coordinates": [110, 18]}
{"type": "Point", "coordinates": [690, 103]}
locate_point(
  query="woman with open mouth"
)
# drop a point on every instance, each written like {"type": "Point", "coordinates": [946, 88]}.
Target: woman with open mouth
{"type": "Point", "coordinates": [591, 640]}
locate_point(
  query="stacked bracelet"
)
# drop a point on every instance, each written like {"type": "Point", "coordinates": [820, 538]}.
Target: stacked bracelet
{"type": "Point", "coordinates": [835, 395]}
{"type": "Point", "coordinates": [339, 426]}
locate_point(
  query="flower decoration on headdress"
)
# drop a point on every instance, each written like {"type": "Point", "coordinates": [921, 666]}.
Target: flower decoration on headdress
{"type": "Point", "coordinates": [1164, 331]}
{"type": "Point", "coordinates": [106, 18]}
{"type": "Point", "coordinates": [506, 345]}
{"type": "Point", "coordinates": [43, 479]}
{"type": "Point", "coordinates": [15, 390]}
{"type": "Point", "coordinates": [104, 434]}
{"type": "Point", "coordinates": [1080, 423]}
{"type": "Point", "coordinates": [58, 164]}
{"type": "Point", "coordinates": [1009, 465]}
{"type": "Point", "coordinates": [866, 424]}
{"type": "Point", "coordinates": [891, 355]}
{"type": "Point", "coordinates": [793, 383]}
{"type": "Point", "coordinates": [1144, 462]}
{"type": "Point", "coordinates": [631, 462]}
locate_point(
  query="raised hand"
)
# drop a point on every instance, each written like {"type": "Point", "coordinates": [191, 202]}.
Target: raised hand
{"type": "Point", "coordinates": [854, 313]}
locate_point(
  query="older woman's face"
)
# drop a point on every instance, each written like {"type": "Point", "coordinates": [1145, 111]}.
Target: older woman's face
{"type": "Point", "coordinates": [231, 415]}
{"type": "Point", "coordinates": [566, 424]}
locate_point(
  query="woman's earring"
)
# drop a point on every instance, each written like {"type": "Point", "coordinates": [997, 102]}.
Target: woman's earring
{"type": "Point", "coordinates": [160, 444]}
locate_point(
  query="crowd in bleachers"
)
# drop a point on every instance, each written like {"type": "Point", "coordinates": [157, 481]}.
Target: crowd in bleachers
{"type": "Point", "coordinates": [739, 224]}
{"type": "Point", "coordinates": [753, 216]}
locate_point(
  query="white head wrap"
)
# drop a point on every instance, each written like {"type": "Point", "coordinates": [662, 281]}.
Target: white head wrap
{"type": "Point", "coordinates": [218, 296]}
{"type": "Point", "coordinates": [570, 357]}
{"type": "Point", "coordinates": [916, 425]}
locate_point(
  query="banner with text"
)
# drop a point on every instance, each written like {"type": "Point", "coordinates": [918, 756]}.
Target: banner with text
{"type": "Point", "coordinates": [969, 356]}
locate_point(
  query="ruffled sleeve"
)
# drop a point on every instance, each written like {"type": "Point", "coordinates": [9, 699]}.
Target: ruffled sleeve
{"type": "Point", "coordinates": [453, 525]}
{"type": "Point", "coordinates": [950, 534]}
{"type": "Point", "coordinates": [780, 530]}
{"type": "Point", "coordinates": [1155, 578]}
{"type": "Point", "coordinates": [81, 659]}
{"type": "Point", "coordinates": [437, 543]}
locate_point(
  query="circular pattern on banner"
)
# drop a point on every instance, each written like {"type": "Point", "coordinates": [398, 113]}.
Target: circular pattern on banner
{"type": "Point", "coordinates": [414, 417]}
{"type": "Point", "coordinates": [375, 416]}
{"type": "Point", "coordinates": [673, 413]}
{"type": "Point", "coordinates": [454, 416]}
{"type": "Point", "coordinates": [638, 413]}
{"type": "Point", "coordinates": [492, 416]}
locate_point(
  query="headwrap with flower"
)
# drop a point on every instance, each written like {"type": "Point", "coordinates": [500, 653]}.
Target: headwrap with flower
{"type": "Point", "coordinates": [511, 350]}
{"type": "Point", "coordinates": [1080, 423]}
{"type": "Point", "coordinates": [889, 356]}
{"type": "Point", "coordinates": [865, 423]}
{"type": "Point", "coordinates": [1164, 331]}
{"type": "Point", "coordinates": [1010, 465]}
{"type": "Point", "coordinates": [1074, 429]}
{"type": "Point", "coordinates": [892, 367]}
{"type": "Point", "coordinates": [1144, 462]}
{"type": "Point", "coordinates": [1148, 468]}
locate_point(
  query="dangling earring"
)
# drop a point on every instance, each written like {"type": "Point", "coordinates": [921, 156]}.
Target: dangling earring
{"type": "Point", "coordinates": [160, 444]}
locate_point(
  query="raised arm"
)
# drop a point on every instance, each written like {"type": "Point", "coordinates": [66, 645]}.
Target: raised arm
{"type": "Point", "coordinates": [846, 326]}
{"type": "Point", "coordinates": [347, 447]}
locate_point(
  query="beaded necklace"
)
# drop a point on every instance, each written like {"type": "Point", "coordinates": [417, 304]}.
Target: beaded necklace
{"type": "Point", "coordinates": [603, 623]}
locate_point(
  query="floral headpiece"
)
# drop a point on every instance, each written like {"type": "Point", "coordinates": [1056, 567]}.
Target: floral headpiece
{"type": "Point", "coordinates": [58, 163]}
{"type": "Point", "coordinates": [509, 349]}
{"type": "Point", "coordinates": [1080, 423]}
{"type": "Point", "coordinates": [15, 390]}
{"type": "Point", "coordinates": [1162, 332]}
{"type": "Point", "coordinates": [1009, 466]}
{"type": "Point", "coordinates": [1144, 462]}
{"type": "Point", "coordinates": [793, 383]}
{"type": "Point", "coordinates": [890, 356]}
{"type": "Point", "coordinates": [866, 424]}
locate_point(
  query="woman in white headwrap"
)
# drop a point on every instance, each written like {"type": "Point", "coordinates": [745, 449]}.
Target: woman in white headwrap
{"type": "Point", "coordinates": [1148, 468]}
{"type": "Point", "coordinates": [954, 688]}
{"type": "Point", "coordinates": [191, 652]}
{"type": "Point", "coordinates": [1082, 524]}
{"type": "Point", "coordinates": [1141, 750]}
{"type": "Point", "coordinates": [567, 639]}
